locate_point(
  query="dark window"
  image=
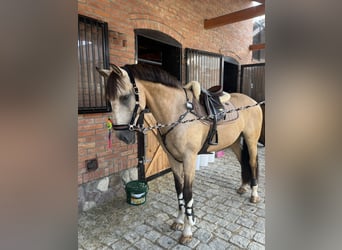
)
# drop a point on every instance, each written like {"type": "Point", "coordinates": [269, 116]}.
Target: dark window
{"type": "Point", "coordinates": [92, 53]}
{"type": "Point", "coordinates": [204, 67]}
{"type": "Point", "coordinates": [154, 47]}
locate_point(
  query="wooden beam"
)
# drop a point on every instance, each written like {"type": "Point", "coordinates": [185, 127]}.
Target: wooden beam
{"type": "Point", "coordinates": [259, 1]}
{"type": "Point", "coordinates": [237, 16]}
{"type": "Point", "coordinates": [258, 46]}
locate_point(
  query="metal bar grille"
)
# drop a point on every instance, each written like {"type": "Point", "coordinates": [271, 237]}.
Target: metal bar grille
{"type": "Point", "coordinates": [92, 53]}
{"type": "Point", "coordinates": [204, 67]}
{"type": "Point", "coordinates": [253, 81]}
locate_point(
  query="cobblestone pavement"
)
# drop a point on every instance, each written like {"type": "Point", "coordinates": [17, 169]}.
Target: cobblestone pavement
{"type": "Point", "coordinates": [225, 219]}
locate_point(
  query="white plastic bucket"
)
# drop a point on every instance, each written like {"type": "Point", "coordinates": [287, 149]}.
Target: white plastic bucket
{"type": "Point", "coordinates": [211, 157]}
{"type": "Point", "coordinates": [198, 162]}
{"type": "Point", "coordinates": [204, 160]}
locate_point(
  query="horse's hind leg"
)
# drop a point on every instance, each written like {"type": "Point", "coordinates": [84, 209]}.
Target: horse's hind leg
{"type": "Point", "coordinates": [249, 159]}
{"type": "Point", "coordinates": [245, 171]}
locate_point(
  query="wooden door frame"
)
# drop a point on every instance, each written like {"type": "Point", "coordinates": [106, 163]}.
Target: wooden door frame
{"type": "Point", "coordinates": [142, 156]}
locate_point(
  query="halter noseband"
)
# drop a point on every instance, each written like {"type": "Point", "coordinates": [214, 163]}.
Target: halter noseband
{"type": "Point", "coordinates": [131, 125]}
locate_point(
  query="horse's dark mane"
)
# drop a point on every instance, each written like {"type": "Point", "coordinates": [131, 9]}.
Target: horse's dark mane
{"type": "Point", "coordinates": [143, 72]}
{"type": "Point", "coordinates": [153, 74]}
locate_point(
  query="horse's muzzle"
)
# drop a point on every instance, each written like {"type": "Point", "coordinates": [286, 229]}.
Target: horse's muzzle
{"type": "Point", "coordinates": [126, 136]}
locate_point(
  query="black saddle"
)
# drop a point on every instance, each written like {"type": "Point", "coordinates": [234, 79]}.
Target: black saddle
{"type": "Point", "coordinates": [210, 99]}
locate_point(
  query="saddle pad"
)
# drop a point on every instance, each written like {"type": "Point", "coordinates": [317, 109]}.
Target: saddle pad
{"type": "Point", "coordinates": [231, 114]}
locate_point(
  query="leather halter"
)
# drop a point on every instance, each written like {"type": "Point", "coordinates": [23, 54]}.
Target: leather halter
{"type": "Point", "coordinates": [130, 126]}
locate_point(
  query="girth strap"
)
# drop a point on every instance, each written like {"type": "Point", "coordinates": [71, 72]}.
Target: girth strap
{"type": "Point", "coordinates": [215, 110]}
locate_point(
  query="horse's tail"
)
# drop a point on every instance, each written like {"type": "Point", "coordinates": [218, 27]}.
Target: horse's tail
{"type": "Point", "coordinates": [246, 169]}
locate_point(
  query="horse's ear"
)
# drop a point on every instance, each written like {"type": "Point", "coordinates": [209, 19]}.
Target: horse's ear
{"type": "Point", "coordinates": [116, 69]}
{"type": "Point", "coordinates": [104, 72]}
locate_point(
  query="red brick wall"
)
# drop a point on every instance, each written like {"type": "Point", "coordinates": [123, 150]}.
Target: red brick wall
{"type": "Point", "coordinates": [93, 142]}
{"type": "Point", "coordinates": [180, 19]}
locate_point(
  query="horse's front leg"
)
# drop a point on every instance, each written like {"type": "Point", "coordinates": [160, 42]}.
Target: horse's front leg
{"type": "Point", "coordinates": [189, 174]}
{"type": "Point", "coordinates": [178, 224]}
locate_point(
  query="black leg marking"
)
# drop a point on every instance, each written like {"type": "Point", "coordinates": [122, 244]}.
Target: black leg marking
{"type": "Point", "coordinates": [255, 173]}
{"type": "Point", "coordinates": [179, 190]}
{"type": "Point", "coordinates": [246, 170]}
{"type": "Point", "coordinates": [189, 211]}
{"type": "Point", "coordinates": [254, 182]}
{"type": "Point", "coordinates": [178, 185]}
{"type": "Point", "coordinates": [187, 191]}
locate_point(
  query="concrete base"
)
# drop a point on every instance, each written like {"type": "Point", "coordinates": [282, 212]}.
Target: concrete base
{"type": "Point", "coordinates": [94, 193]}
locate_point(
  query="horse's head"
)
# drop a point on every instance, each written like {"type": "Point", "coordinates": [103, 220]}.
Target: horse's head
{"type": "Point", "coordinates": [120, 93]}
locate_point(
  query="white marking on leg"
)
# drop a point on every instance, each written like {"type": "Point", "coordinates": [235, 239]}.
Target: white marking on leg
{"type": "Point", "coordinates": [255, 191]}
{"type": "Point", "coordinates": [190, 221]}
{"type": "Point", "coordinates": [180, 217]}
{"type": "Point", "coordinates": [191, 218]}
{"type": "Point", "coordinates": [187, 229]}
{"type": "Point", "coordinates": [181, 202]}
{"type": "Point", "coordinates": [242, 189]}
{"type": "Point", "coordinates": [181, 199]}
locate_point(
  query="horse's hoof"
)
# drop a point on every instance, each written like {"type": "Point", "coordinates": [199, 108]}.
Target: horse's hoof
{"type": "Point", "coordinates": [177, 226]}
{"type": "Point", "coordinates": [241, 190]}
{"type": "Point", "coordinates": [254, 199]}
{"type": "Point", "coordinates": [185, 239]}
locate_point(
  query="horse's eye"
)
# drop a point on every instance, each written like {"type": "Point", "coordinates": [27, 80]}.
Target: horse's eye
{"type": "Point", "coordinates": [124, 98]}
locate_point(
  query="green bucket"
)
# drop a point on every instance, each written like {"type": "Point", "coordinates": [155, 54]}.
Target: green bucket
{"type": "Point", "coordinates": [136, 192]}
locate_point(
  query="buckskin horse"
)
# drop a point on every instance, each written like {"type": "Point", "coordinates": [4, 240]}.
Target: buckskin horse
{"type": "Point", "coordinates": [182, 133]}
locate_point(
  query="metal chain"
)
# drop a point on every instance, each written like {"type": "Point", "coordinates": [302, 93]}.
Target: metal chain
{"type": "Point", "coordinates": [198, 118]}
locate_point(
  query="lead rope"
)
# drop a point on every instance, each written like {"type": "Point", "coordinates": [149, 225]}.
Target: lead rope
{"type": "Point", "coordinates": [198, 118]}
